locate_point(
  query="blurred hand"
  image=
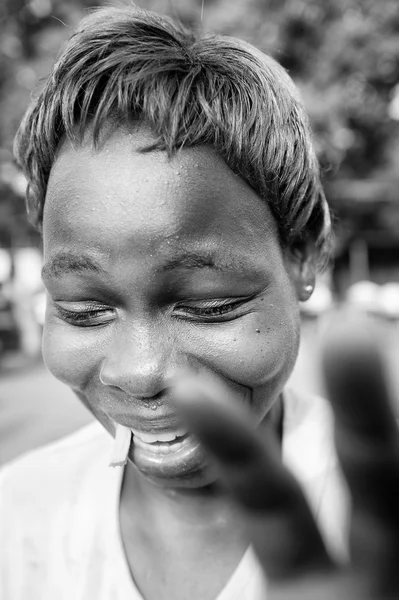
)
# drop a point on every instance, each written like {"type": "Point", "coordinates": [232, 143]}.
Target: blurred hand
{"type": "Point", "coordinates": [277, 517]}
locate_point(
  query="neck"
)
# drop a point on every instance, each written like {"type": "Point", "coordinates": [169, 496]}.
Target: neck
{"type": "Point", "coordinates": [208, 506]}
{"type": "Point", "coordinates": [180, 534]}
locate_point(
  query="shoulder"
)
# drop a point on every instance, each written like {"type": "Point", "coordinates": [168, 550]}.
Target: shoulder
{"type": "Point", "coordinates": [309, 451]}
{"type": "Point", "coordinates": [308, 429]}
{"type": "Point", "coordinates": [51, 501]}
{"type": "Point", "coordinates": [308, 443]}
{"type": "Point", "coordinates": [300, 406]}
{"type": "Point", "coordinates": [49, 470]}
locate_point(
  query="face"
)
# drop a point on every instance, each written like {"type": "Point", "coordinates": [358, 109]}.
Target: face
{"type": "Point", "coordinates": [154, 265]}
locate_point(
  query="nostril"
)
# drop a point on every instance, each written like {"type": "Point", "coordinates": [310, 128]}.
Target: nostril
{"type": "Point", "coordinates": [138, 377]}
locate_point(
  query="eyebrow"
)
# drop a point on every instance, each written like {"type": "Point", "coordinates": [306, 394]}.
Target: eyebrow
{"type": "Point", "coordinates": [191, 261]}
{"type": "Point", "coordinates": [65, 262]}
{"type": "Point", "coordinates": [210, 260]}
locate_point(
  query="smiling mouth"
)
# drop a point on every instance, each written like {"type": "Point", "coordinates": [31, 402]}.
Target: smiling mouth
{"type": "Point", "coordinates": [162, 455]}
{"type": "Point", "coordinates": [162, 442]}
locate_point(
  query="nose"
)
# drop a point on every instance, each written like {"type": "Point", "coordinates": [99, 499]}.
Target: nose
{"type": "Point", "coordinates": [138, 361]}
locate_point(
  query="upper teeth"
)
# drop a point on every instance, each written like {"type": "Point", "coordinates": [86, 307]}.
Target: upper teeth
{"type": "Point", "coordinates": [150, 438]}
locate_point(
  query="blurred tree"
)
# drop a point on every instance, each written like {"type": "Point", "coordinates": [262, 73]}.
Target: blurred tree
{"type": "Point", "coordinates": [343, 54]}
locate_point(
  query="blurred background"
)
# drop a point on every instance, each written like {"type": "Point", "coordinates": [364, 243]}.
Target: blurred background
{"type": "Point", "coordinates": [343, 55]}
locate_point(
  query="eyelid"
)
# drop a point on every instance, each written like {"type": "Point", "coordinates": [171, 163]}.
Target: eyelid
{"type": "Point", "coordinates": [82, 306]}
{"type": "Point", "coordinates": [93, 315]}
{"type": "Point", "coordinates": [214, 301]}
{"type": "Point", "coordinates": [203, 312]}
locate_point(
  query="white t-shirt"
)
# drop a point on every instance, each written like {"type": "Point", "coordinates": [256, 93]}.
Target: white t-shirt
{"type": "Point", "coordinates": [59, 523]}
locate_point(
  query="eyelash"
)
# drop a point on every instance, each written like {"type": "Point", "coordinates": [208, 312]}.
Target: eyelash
{"type": "Point", "coordinates": [213, 309]}
{"type": "Point", "coordinates": [100, 315]}
{"type": "Point", "coordinates": [85, 318]}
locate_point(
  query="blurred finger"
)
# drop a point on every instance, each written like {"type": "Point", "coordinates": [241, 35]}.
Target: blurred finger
{"type": "Point", "coordinates": [278, 519]}
{"type": "Point", "coordinates": [367, 441]}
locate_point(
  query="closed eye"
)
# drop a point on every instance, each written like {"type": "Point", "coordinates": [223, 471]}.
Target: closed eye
{"type": "Point", "coordinates": [85, 315]}
{"type": "Point", "coordinates": [210, 310]}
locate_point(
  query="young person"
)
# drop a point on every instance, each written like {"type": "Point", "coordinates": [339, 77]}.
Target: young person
{"type": "Point", "coordinates": [174, 181]}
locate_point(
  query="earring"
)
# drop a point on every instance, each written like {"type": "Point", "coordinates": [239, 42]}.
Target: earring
{"type": "Point", "coordinates": [308, 289]}
{"type": "Point", "coordinates": [101, 378]}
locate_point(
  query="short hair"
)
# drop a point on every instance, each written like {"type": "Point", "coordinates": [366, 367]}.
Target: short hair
{"type": "Point", "coordinates": [125, 64]}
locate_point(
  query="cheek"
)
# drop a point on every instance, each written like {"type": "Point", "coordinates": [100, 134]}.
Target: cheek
{"type": "Point", "coordinates": [70, 357]}
{"type": "Point", "coordinates": [76, 364]}
{"type": "Point", "coordinates": [258, 350]}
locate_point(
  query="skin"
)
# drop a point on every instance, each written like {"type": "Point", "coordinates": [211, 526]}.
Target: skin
{"type": "Point", "coordinates": [138, 216]}
{"type": "Point", "coordinates": [171, 240]}
{"type": "Point", "coordinates": [134, 213]}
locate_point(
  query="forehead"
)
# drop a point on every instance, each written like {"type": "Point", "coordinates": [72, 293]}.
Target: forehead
{"type": "Point", "coordinates": [118, 194]}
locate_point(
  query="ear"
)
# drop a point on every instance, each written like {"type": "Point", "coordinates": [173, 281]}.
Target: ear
{"type": "Point", "coordinates": [301, 264]}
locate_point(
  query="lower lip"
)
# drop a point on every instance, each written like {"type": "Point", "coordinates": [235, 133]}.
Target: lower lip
{"type": "Point", "coordinates": [174, 460]}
